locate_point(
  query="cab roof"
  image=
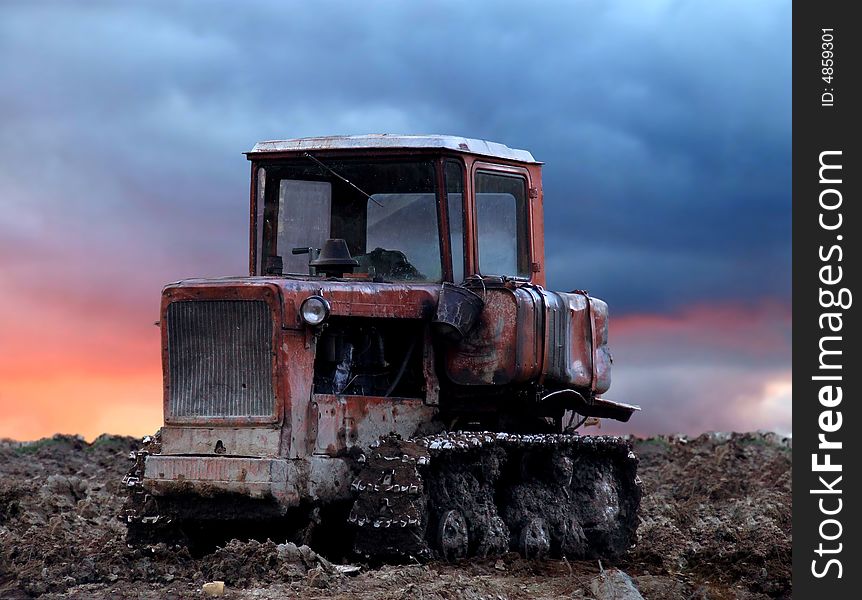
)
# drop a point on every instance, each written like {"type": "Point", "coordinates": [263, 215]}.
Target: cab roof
{"type": "Point", "coordinates": [388, 140]}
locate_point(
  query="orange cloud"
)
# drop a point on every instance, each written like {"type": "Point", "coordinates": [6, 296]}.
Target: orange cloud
{"type": "Point", "coordinates": [88, 404]}
{"type": "Point", "coordinates": [76, 371]}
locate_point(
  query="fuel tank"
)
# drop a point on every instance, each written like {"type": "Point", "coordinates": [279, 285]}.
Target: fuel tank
{"type": "Point", "coordinates": [528, 334]}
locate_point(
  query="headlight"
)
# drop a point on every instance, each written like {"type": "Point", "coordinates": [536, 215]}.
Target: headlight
{"type": "Point", "coordinates": [314, 310]}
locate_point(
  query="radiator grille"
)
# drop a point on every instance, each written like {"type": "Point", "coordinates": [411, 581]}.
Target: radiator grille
{"type": "Point", "coordinates": [220, 359]}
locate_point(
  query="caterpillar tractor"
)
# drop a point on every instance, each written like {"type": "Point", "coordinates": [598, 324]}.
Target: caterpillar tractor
{"type": "Point", "coordinates": [392, 374]}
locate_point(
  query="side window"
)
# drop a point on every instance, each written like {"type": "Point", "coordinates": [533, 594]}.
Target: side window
{"type": "Point", "coordinates": [501, 217]}
{"type": "Point", "coordinates": [304, 209]}
{"type": "Point", "coordinates": [455, 208]}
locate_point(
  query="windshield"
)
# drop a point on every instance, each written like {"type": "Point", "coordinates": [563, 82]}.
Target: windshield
{"type": "Point", "coordinates": [386, 212]}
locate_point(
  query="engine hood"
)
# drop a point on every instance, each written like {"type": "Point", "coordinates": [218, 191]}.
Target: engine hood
{"type": "Point", "coordinates": [347, 298]}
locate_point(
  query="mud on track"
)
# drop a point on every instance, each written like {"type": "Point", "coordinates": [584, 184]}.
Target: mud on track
{"type": "Point", "coordinates": [715, 523]}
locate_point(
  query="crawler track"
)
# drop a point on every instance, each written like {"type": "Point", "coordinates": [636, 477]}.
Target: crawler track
{"type": "Point", "coordinates": [478, 494]}
{"type": "Point", "coordinates": [444, 496]}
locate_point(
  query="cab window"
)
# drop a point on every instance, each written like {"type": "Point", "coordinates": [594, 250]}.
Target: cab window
{"type": "Point", "coordinates": [385, 210]}
{"type": "Point", "coordinates": [502, 222]}
{"type": "Point", "coordinates": [455, 208]}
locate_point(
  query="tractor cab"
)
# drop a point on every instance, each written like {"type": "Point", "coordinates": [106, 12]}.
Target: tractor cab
{"type": "Point", "coordinates": [420, 209]}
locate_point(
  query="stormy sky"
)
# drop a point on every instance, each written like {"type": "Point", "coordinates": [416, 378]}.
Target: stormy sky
{"type": "Point", "coordinates": [664, 126]}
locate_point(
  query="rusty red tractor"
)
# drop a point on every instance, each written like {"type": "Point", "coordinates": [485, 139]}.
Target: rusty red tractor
{"type": "Point", "coordinates": [392, 371]}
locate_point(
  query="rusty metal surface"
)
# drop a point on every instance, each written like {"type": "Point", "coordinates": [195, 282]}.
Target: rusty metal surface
{"type": "Point", "coordinates": [254, 477]}
{"type": "Point", "coordinates": [348, 297]}
{"type": "Point", "coordinates": [602, 408]}
{"type": "Point", "coordinates": [284, 480]}
{"type": "Point", "coordinates": [524, 334]}
{"type": "Point", "coordinates": [295, 342]}
{"type": "Point", "coordinates": [347, 421]}
{"type": "Point", "coordinates": [530, 334]}
{"type": "Point", "coordinates": [221, 290]}
{"type": "Point", "coordinates": [577, 353]}
{"type": "Point", "coordinates": [252, 233]}
{"type": "Point", "coordinates": [381, 301]}
{"type": "Point", "coordinates": [297, 375]}
{"type": "Point", "coordinates": [505, 346]}
{"type": "Point", "coordinates": [429, 369]}
{"type": "Point", "coordinates": [227, 441]}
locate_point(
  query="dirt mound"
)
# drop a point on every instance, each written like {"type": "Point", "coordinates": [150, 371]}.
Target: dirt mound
{"type": "Point", "coordinates": [254, 563]}
{"type": "Point", "coordinates": [715, 522]}
{"type": "Point", "coordinates": [717, 508]}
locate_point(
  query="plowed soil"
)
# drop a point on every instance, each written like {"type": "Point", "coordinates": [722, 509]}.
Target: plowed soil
{"type": "Point", "coordinates": [715, 523]}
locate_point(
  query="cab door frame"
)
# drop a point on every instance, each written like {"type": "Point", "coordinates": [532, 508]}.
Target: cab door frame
{"type": "Point", "coordinates": [531, 195]}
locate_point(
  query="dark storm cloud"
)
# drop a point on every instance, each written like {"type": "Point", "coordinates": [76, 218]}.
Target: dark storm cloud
{"type": "Point", "coordinates": [665, 125]}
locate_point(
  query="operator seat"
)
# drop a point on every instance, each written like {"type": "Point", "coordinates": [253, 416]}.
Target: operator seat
{"type": "Point", "coordinates": [388, 264]}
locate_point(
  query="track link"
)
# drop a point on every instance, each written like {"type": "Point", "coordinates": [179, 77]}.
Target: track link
{"type": "Point", "coordinates": [145, 524]}
{"type": "Point", "coordinates": [480, 493]}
